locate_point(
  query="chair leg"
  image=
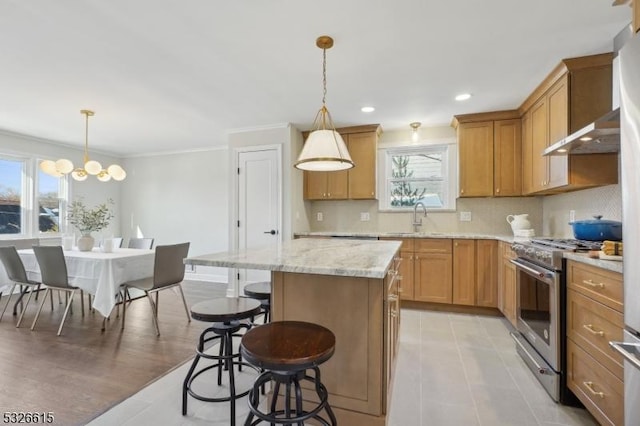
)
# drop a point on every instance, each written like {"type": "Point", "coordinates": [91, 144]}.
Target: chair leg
{"type": "Point", "coordinates": [64, 317]}
{"type": "Point", "coordinates": [25, 307]}
{"type": "Point", "coordinates": [82, 301]}
{"type": "Point", "coordinates": [154, 312]}
{"type": "Point", "coordinates": [124, 306]}
{"type": "Point", "coordinates": [50, 298]}
{"type": "Point", "coordinates": [44, 299]}
{"type": "Point", "coordinates": [8, 300]}
{"type": "Point", "coordinates": [184, 302]}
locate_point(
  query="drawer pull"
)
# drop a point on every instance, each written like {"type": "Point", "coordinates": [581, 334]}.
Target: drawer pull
{"type": "Point", "coordinates": [589, 385]}
{"type": "Point", "coordinates": [590, 283]}
{"type": "Point", "coordinates": [590, 329]}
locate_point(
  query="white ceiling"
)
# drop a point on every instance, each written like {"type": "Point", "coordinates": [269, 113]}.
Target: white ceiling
{"type": "Point", "coordinates": [167, 75]}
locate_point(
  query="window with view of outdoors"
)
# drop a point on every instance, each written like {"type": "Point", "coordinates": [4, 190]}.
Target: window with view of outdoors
{"type": "Point", "coordinates": [49, 202]}
{"type": "Point", "coordinates": [11, 172]}
{"type": "Point", "coordinates": [31, 201]}
{"type": "Point", "coordinates": [417, 174]}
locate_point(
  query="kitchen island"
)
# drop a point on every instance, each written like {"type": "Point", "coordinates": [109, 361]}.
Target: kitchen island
{"type": "Point", "coordinates": [350, 287]}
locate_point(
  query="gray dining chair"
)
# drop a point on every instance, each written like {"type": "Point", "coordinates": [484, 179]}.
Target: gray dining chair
{"type": "Point", "coordinates": [141, 243]}
{"type": "Point", "coordinates": [117, 242]}
{"type": "Point", "coordinates": [168, 272]}
{"type": "Point", "coordinates": [53, 269]}
{"type": "Point", "coordinates": [15, 271]}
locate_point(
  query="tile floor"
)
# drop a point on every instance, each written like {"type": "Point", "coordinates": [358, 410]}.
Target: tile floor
{"type": "Point", "coordinates": [453, 369]}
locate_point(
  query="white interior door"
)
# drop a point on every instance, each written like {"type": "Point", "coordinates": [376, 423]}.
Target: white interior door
{"type": "Point", "coordinates": [259, 205]}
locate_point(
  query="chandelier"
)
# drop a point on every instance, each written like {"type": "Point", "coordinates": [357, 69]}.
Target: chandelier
{"type": "Point", "coordinates": [324, 149]}
{"type": "Point", "coordinates": [63, 166]}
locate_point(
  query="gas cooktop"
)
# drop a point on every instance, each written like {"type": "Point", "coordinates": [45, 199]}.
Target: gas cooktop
{"type": "Point", "coordinates": [568, 244]}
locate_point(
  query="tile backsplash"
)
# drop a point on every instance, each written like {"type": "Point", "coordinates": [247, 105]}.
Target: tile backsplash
{"type": "Point", "coordinates": [605, 201]}
{"type": "Point", "coordinates": [549, 215]}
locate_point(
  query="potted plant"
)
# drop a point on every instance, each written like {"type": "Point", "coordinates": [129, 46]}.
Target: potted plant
{"type": "Point", "coordinates": [88, 220]}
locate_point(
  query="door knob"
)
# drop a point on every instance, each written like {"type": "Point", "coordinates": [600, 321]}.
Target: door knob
{"type": "Point", "coordinates": [272, 232]}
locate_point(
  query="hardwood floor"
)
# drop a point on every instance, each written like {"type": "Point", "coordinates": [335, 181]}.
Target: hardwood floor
{"type": "Point", "coordinates": [84, 372]}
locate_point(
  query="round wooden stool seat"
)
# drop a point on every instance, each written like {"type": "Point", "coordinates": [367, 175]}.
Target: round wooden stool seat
{"type": "Point", "coordinates": [225, 309]}
{"type": "Point", "coordinates": [225, 315]}
{"type": "Point", "coordinates": [261, 290]}
{"type": "Point", "coordinates": [286, 350]}
{"type": "Point", "coordinates": [288, 345]}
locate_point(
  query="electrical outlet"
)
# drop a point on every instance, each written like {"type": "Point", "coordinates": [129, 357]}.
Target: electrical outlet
{"type": "Point", "coordinates": [319, 217]}
{"type": "Point", "coordinates": [572, 215]}
{"type": "Point", "coordinates": [364, 217]}
{"type": "Point", "coordinates": [465, 216]}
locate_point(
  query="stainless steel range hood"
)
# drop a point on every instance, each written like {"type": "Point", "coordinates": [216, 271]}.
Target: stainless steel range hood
{"type": "Point", "coordinates": [601, 136]}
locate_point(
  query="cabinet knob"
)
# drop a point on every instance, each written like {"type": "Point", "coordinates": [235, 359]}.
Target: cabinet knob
{"type": "Point", "coordinates": [462, 191]}
{"type": "Point", "coordinates": [372, 194]}
{"type": "Point", "coordinates": [328, 194]}
{"type": "Point", "coordinates": [497, 190]}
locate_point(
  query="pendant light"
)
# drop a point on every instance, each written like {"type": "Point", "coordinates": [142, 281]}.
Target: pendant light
{"type": "Point", "coordinates": [324, 149]}
{"type": "Point", "coordinates": [415, 136]}
{"type": "Point", "coordinates": [63, 166]}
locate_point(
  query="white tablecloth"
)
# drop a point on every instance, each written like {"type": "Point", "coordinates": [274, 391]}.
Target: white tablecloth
{"type": "Point", "coordinates": [97, 273]}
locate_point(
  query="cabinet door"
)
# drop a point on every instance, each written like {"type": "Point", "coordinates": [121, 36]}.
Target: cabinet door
{"type": "Point", "coordinates": [475, 151]}
{"type": "Point", "coordinates": [558, 101]}
{"type": "Point", "coordinates": [539, 138]}
{"type": "Point", "coordinates": [464, 272]}
{"type": "Point", "coordinates": [315, 184]}
{"type": "Point", "coordinates": [362, 178]}
{"type": "Point", "coordinates": [509, 291]}
{"type": "Point", "coordinates": [507, 145]}
{"type": "Point", "coordinates": [487, 273]}
{"type": "Point", "coordinates": [527, 154]}
{"type": "Point", "coordinates": [433, 280]}
{"type": "Point", "coordinates": [406, 289]}
{"type": "Point", "coordinates": [337, 185]}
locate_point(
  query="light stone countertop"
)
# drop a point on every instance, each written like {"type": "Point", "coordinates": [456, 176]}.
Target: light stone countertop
{"type": "Point", "coordinates": [610, 265]}
{"type": "Point", "coordinates": [466, 235]}
{"type": "Point", "coordinates": [342, 257]}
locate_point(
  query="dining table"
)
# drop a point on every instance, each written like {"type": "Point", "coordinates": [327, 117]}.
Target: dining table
{"type": "Point", "coordinates": [96, 272]}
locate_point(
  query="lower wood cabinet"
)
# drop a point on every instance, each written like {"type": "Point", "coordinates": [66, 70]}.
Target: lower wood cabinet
{"type": "Point", "coordinates": [433, 272]}
{"type": "Point", "coordinates": [507, 283]}
{"type": "Point", "coordinates": [451, 271]}
{"type": "Point", "coordinates": [595, 317]}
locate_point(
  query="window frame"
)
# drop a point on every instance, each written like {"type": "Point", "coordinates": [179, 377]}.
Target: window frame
{"type": "Point", "coordinates": [29, 202]}
{"type": "Point", "coordinates": [450, 175]}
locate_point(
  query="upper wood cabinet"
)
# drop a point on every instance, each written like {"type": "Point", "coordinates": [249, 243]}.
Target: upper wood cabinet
{"type": "Point", "coordinates": [357, 183]}
{"type": "Point", "coordinates": [489, 154]}
{"type": "Point", "coordinates": [577, 92]}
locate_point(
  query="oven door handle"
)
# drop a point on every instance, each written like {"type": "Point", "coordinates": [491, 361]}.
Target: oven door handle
{"type": "Point", "coordinates": [528, 269]}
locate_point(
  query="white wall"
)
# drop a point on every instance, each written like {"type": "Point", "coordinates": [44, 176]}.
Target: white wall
{"type": "Point", "coordinates": [91, 190]}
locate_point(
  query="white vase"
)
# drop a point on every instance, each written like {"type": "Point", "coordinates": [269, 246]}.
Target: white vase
{"type": "Point", "coordinates": [85, 243]}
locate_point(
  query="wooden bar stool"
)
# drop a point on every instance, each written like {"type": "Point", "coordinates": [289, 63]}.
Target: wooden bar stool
{"type": "Point", "coordinates": [286, 350]}
{"type": "Point", "coordinates": [261, 291]}
{"type": "Point", "coordinates": [225, 313]}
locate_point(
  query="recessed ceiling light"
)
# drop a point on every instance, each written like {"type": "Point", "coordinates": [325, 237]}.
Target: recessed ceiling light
{"type": "Point", "coordinates": [367, 109]}
{"type": "Point", "coordinates": [463, 96]}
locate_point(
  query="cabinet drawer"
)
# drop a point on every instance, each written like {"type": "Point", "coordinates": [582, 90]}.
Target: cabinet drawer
{"type": "Point", "coordinates": [407, 243]}
{"type": "Point", "coordinates": [506, 252]}
{"type": "Point", "coordinates": [592, 325]}
{"type": "Point", "coordinates": [601, 392]}
{"type": "Point", "coordinates": [599, 284]}
{"type": "Point", "coordinates": [432, 245]}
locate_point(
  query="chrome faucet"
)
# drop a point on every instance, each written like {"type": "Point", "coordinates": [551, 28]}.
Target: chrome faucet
{"type": "Point", "coordinates": [417, 222]}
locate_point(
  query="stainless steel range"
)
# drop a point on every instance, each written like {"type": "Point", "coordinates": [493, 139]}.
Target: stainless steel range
{"type": "Point", "coordinates": [541, 300]}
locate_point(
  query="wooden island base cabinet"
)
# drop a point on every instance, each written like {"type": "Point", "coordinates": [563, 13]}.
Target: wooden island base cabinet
{"type": "Point", "coordinates": [324, 281]}
{"type": "Point", "coordinates": [363, 313]}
